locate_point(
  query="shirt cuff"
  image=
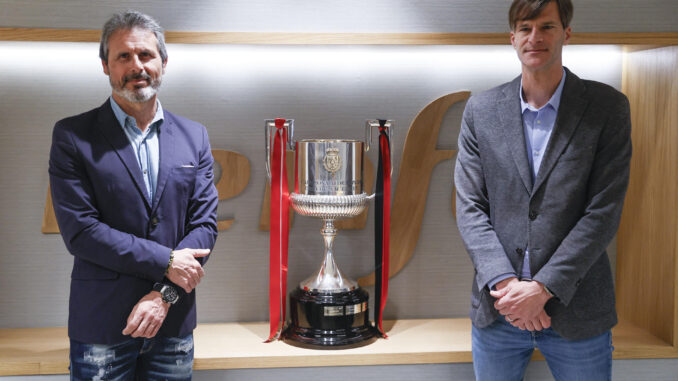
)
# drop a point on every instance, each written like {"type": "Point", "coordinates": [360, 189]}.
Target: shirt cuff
{"type": "Point", "coordinates": [493, 282]}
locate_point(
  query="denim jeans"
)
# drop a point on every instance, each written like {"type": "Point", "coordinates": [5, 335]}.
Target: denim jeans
{"type": "Point", "coordinates": [502, 351]}
{"type": "Point", "coordinates": [159, 358]}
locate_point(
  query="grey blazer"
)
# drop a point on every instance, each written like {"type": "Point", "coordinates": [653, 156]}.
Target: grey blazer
{"type": "Point", "coordinates": [566, 218]}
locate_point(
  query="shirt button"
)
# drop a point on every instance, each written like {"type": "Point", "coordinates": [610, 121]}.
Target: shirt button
{"type": "Point", "coordinates": [145, 171]}
{"type": "Point", "coordinates": [533, 215]}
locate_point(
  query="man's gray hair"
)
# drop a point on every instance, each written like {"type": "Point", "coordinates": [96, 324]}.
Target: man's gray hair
{"type": "Point", "coordinates": [129, 20]}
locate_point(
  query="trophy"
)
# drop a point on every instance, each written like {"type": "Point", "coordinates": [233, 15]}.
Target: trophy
{"type": "Point", "coordinates": [328, 310]}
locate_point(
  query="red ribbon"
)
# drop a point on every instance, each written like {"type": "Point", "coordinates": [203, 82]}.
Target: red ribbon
{"type": "Point", "coordinates": [384, 201]}
{"type": "Point", "coordinates": [279, 234]}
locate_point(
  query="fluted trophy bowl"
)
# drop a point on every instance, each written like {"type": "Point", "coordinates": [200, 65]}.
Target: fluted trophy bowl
{"type": "Point", "coordinates": [329, 207]}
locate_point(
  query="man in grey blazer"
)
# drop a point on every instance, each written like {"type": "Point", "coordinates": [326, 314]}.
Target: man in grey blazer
{"type": "Point", "coordinates": [541, 175]}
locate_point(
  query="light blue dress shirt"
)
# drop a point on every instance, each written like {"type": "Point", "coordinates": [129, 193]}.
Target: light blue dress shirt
{"type": "Point", "coordinates": [537, 127]}
{"type": "Point", "coordinates": [145, 144]}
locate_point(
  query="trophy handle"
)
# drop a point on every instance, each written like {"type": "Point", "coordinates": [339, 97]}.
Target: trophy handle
{"type": "Point", "coordinates": [269, 130]}
{"type": "Point", "coordinates": [376, 123]}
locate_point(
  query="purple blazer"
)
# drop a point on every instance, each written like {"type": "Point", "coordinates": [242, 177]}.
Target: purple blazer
{"type": "Point", "coordinates": [121, 240]}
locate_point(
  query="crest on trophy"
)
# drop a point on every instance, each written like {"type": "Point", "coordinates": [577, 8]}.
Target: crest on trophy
{"type": "Point", "coordinates": [332, 160]}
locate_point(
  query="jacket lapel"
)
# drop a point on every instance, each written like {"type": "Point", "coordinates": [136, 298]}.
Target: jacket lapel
{"type": "Point", "coordinates": [112, 131]}
{"type": "Point", "coordinates": [570, 111]}
{"type": "Point", "coordinates": [512, 126]}
{"type": "Point", "coordinates": [166, 140]}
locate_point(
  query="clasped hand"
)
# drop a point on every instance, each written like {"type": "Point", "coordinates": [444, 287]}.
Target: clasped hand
{"type": "Point", "coordinates": [522, 302]}
{"type": "Point", "coordinates": [185, 270]}
{"type": "Point", "coordinates": [149, 313]}
{"type": "Point", "coordinates": [147, 316]}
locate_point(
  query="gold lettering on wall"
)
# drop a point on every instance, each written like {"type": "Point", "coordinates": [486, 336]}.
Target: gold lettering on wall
{"type": "Point", "coordinates": [49, 222]}
{"type": "Point", "coordinates": [409, 201]}
{"type": "Point", "coordinates": [235, 175]}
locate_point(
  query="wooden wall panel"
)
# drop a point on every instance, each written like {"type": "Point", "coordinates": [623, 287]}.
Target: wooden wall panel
{"type": "Point", "coordinates": [647, 250]}
{"type": "Point", "coordinates": [258, 38]}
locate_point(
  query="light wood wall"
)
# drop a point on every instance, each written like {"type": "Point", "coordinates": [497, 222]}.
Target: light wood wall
{"type": "Point", "coordinates": [277, 38]}
{"type": "Point", "coordinates": [646, 259]}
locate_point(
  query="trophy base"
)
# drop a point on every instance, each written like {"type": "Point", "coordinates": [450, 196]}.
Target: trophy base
{"type": "Point", "coordinates": [329, 320]}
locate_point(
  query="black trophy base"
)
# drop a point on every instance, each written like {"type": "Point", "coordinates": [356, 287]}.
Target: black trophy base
{"type": "Point", "coordinates": [329, 320]}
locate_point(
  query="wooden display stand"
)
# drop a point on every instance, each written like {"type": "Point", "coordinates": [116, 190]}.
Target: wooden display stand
{"type": "Point", "coordinates": [647, 255]}
{"type": "Point", "coordinates": [31, 351]}
{"type": "Point", "coordinates": [647, 250]}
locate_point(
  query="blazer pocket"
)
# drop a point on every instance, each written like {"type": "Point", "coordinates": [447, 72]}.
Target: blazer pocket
{"type": "Point", "coordinates": [88, 271]}
{"type": "Point", "coordinates": [183, 178]}
{"type": "Point", "coordinates": [569, 158]}
{"type": "Point", "coordinates": [578, 153]}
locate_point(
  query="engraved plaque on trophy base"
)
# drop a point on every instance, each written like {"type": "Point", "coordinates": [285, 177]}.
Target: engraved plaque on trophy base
{"type": "Point", "coordinates": [336, 320]}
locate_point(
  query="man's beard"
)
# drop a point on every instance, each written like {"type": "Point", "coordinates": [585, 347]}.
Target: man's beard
{"type": "Point", "coordinates": [141, 94]}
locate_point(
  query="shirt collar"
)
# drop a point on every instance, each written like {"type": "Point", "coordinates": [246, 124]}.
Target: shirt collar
{"type": "Point", "coordinates": [554, 101]}
{"type": "Point", "coordinates": [121, 116]}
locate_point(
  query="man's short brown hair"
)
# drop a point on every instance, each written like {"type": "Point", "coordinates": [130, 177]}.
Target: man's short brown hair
{"type": "Point", "coordinates": [530, 9]}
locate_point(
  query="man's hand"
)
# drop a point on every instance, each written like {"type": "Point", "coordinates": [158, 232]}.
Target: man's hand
{"type": "Point", "coordinates": [147, 316]}
{"type": "Point", "coordinates": [506, 282]}
{"type": "Point", "coordinates": [542, 321]}
{"type": "Point", "coordinates": [185, 270]}
{"type": "Point", "coordinates": [522, 300]}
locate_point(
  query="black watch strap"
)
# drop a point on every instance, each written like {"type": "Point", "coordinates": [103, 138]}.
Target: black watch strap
{"type": "Point", "coordinates": [169, 293]}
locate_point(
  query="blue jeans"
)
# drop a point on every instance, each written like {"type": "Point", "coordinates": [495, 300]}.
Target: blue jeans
{"type": "Point", "coordinates": [159, 358]}
{"type": "Point", "coordinates": [502, 351]}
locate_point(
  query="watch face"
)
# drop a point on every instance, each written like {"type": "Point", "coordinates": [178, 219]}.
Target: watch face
{"type": "Point", "coordinates": [169, 294]}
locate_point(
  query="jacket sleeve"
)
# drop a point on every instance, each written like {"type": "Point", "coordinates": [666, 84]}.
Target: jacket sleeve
{"type": "Point", "coordinates": [473, 207]}
{"type": "Point", "coordinates": [85, 235]}
{"type": "Point", "coordinates": [202, 207]}
{"type": "Point", "coordinates": [589, 237]}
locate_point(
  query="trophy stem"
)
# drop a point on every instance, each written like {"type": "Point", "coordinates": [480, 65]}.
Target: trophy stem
{"type": "Point", "coordinates": [329, 277]}
{"type": "Point", "coordinates": [329, 232]}
{"type": "Point", "coordinates": [329, 266]}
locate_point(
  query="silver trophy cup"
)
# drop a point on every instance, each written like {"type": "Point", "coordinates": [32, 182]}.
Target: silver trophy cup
{"type": "Point", "coordinates": [330, 187]}
{"type": "Point", "coordinates": [328, 310]}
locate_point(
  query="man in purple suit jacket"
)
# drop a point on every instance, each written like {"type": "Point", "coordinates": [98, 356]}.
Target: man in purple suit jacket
{"type": "Point", "coordinates": [134, 197]}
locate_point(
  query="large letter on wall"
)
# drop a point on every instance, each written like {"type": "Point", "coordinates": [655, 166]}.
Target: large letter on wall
{"type": "Point", "coordinates": [419, 157]}
{"type": "Point", "coordinates": [235, 174]}
{"type": "Point", "coordinates": [49, 222]}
